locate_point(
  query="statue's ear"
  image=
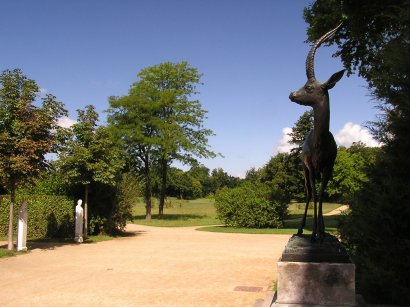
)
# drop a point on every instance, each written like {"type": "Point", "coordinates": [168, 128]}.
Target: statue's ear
{"type": "Point", "coordinates": [333, 80]}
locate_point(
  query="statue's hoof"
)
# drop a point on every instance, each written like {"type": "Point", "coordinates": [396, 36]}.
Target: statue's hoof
{"type": "Point", "coordinates": [300, 232]}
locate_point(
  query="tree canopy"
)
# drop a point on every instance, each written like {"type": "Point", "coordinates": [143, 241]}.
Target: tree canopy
{"type": "Point", "coordinates": [159, 121]}
{"type": "Point", "coordinates": [88, 154]}
{"type": "Point", "coordinates": [27, 132]}
{"type": "Point", "coordinates": [375, 41]}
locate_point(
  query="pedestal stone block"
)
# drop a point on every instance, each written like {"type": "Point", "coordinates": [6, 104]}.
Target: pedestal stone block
{"type": "Point", "coordinates": [315, 274]}
{"type": "Point", "coordinates": [22, 228]}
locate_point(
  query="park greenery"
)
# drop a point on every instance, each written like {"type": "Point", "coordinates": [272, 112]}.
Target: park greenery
{"type": "Point", "coordinates": [375, 42]}
{"type": "Point", "coordinates": [113, 166]}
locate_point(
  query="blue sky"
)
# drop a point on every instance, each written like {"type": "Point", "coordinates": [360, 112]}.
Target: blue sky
{"type": "Point", "coordinates": [251, 54]}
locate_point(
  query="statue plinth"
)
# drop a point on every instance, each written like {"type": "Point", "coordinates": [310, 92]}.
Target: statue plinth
{"type": "Point", "coordinates": [319, 274]}
{"type": "Point", "coordinates": [301, 249]}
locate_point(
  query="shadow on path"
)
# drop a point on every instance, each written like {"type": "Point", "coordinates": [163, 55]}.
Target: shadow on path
{"type": "Point", "coordinates": [172, 217]}
{"type": "Point", "coordinates": [50, 244]}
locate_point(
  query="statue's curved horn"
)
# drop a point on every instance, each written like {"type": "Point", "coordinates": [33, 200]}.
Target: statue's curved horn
{"type": "Point", "coordinates": [310, 69]}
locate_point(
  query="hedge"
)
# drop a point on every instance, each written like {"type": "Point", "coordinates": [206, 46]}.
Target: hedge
{"type": "Point", "coordinates": [251, 205]}
{"type": "Point", "coordinates": [48, 216]}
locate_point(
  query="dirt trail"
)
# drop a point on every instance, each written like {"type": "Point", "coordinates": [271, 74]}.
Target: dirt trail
{"type": "Point", "coordinates": [155, 267]}
{"type": "Point", "coordinates": [337, 211]}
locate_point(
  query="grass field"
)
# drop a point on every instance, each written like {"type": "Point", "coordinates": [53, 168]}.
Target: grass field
{"type": "Point", "coordinates": [201, 212]}
{"type": "Point", "coordinates": [178, 213]}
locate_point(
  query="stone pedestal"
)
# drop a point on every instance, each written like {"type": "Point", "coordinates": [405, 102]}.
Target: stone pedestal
{"type": "Point", "coordinates": [319, 274]}
{"type": "Point", "coordinates": [22, 228]}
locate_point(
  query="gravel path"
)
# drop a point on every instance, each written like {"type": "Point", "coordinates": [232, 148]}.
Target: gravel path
{"type": "Point", "coordinates": [337, 211]}
{"type": "Point", "coordinates": [154, 267]}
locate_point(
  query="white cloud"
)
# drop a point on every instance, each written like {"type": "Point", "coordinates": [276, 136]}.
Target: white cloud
{"type": "Point", "coordinates": [66, 122]}
{"type": "Point", "coordinates": [284, 145]}
{"type": "Point", "coordinates": [43, 90]}
{"type": "Point", "coordinates": [354, 133]}
{"type": "Point", "coordinates": [349, 134]}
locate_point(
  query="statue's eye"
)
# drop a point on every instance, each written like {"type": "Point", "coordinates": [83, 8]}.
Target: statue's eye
{"type": "Point", "coordinates": [309, 88]}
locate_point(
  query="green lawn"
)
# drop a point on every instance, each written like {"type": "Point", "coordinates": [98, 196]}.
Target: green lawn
{"type": "Point", "coordinates": [178, 213]}
{"type": "Point", "coordinates": [201, 212]}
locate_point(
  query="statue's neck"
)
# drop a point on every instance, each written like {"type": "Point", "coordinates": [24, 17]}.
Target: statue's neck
{"type": "Point", "coordinates": [321, 118]}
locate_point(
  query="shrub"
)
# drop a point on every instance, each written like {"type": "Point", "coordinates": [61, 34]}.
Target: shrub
{"type": "Point", "coordinates": [251, 205]}
{"type": "Point", "coordinates": [48, 216]}
{"type": "Point", "coordinates": [128, 190]}
{"type": "Point", "coordinates": [376, 234]}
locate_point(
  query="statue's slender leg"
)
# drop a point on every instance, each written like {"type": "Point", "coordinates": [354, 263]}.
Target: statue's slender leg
{"type": "Point", "coordinates": [313, 186]}
{"type": "Point", "coordinates": [321, 222]}
{"type": "Point", "coordinates": [308, 191]}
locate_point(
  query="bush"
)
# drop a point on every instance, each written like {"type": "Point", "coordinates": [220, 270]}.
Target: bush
{"type": "Point", "coordinates": [252, 205]}
{"type": "Point", "coordinates": [376, 234]}
{"type": "Point", "coordinates": [128, 190]}
{"type": "Point", "coordinates": [48, 216]}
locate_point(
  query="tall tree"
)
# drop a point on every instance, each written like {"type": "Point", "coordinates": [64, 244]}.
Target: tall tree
{"type": "Point", "coordinates": [133, 121]}
{"type": "Point", "coordinates": [88, 155]}
{"type": "Point", "coordinates": [375, 41]}
{"type": "Point", "coordinates": [166, 123]}
{"type": "Point", "coordinates": [27, 133]}
{"type": "Point", "coordinates": [182, 135]}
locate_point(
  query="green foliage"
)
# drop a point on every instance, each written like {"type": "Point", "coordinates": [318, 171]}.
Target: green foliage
{"type": "Point", "coordinates": [250, 205]}
{"type": "Point", "coordinates": [284, 171]}
{"type": "Point", "coordinates": [88, 154]}
{"type": "Point", "coordinates": [48, 216]}
{"type": "Point", "coordinates": [350, 171]}
{"type": "Point", "coordinates": [377, 44]}
{"type": "Point", "coordinates": [300, 130]}
{"type": "Point", "coordinates": [7, 253]}
{"type": "Point", "coordinates": [97, 225]}
{"type": "Point", "coordinates": [376, 234]}
{"type": "Point", "coordinates": [27, 132]}
{"type": "Point", "coordinates": [279, 173]}
{"type": "Point", "coordinates": [180, 213]}
{"type": "Point", "coordinates": [49, 182]}
{"type": "Point", "coordinates": [159, 122]}
{"type": "Point", "coordinates": [182, 185]}
{"type": "Point", "coordinates": [128, 191]}
{"type": "Point", "coordinates": [221, 179]}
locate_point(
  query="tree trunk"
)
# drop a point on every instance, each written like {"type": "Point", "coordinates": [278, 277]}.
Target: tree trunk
{"type": "Point", "coordinates": [164, 169]}
{"type": "Point", "coordinates": [11, 213]}
{"type": "Point", "coordinates": [147, 194]}
{"type": "Point", "coordinates": [86, 212]}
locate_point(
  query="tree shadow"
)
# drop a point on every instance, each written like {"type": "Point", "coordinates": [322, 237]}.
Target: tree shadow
{"type": "Point", "coordinates": [172, 217]}
{"type": "Point", "coordinates": [53, 243]}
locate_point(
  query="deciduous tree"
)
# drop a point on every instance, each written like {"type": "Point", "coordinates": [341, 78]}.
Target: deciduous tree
{"type": "Point", "coordinates": [159, 122]}
{"type": "Point", "coordinates": [375, 41]}
{"type": "Point", "coordinates": [27, 132]}
{"type": "Point", "coordinates": [88, 155]}
{"type": "Point", "coordinates": [182, 135]}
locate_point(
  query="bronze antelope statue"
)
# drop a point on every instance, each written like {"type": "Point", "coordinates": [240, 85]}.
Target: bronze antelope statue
{"type": "Point", "coordinates": [319, 149]}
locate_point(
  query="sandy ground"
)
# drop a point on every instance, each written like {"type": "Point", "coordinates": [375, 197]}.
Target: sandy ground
{"type": "Point", "coordinates": [154, 267]}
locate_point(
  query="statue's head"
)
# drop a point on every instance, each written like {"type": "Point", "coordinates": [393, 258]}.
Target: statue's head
{"type": "Point", "coordinates": [314, 91]}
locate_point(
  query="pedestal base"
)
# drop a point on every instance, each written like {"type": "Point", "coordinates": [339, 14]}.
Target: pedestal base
{"type": "Point", "coordinates": [324, 282]}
